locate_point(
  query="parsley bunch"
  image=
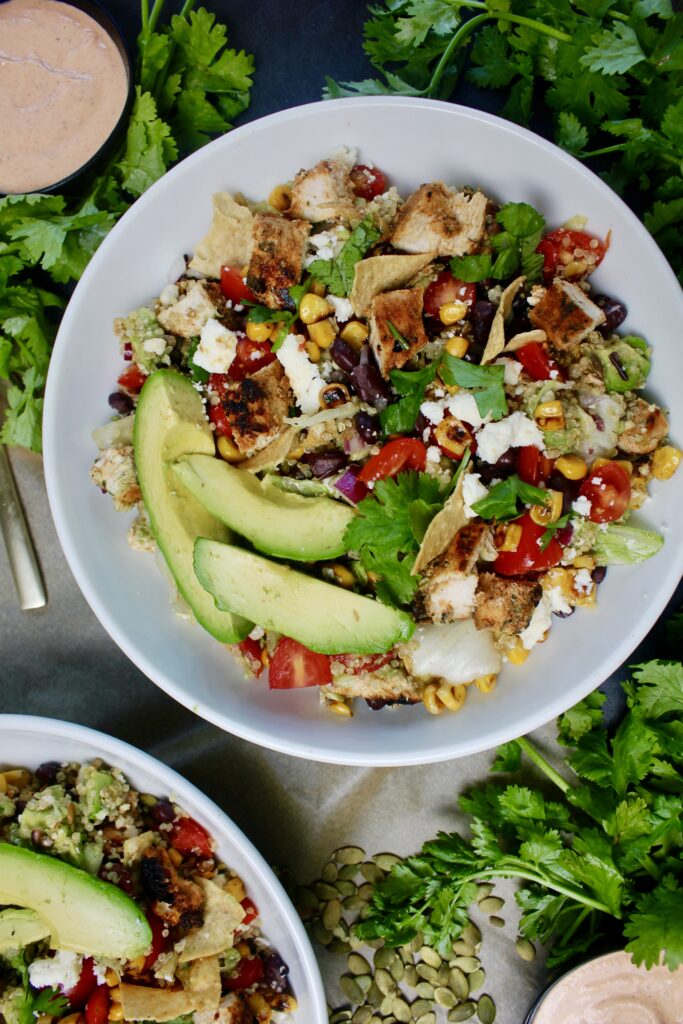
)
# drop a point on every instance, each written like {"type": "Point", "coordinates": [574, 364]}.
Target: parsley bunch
{"type": "Point", "coordinates": [609, 72]}
{"type": "Point", "coordinates": [189, 87]}
{"type": "Point", "coordinates": [605, 855]}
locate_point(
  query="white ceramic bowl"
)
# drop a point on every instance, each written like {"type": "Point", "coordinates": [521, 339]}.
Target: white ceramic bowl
{"type": "Point", "coordinates": [27, 741]}
{"type": "Point", "coordinates": [413, 141]}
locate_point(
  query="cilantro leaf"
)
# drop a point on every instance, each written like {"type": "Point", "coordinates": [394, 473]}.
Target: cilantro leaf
{"type": "Point", "coordinates": [337, 274]}
{"type": "Point", "coordinates": [581, 719]}
{"type": "Point", "coordinates": [660, 689]}
{"type": "Point", "coordinates": [657, 925]}
{"type": "Point", "coordinates": [472, 268]}
{"type": "Point", "coordinates": [400, 417]}
{"type": "Point", "coordinates": [508, 758]}
{"type": "Point", "coordinates": [501, 501]}
{"type": "Point", "coordinates": [552, 529]}
{"type": "Point", "coordinates": [487, 382]}
{"type": "Point", "coordinates": [614, 51]}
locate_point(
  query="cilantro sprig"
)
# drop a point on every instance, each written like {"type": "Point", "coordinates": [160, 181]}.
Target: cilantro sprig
{"type": "Point", "coordinates": [285, 317]}
{"type": "Point", "coordinates": [487, 382]}
{"type": "Point", "coordinates": [400, 417]}
{"type": "Point", "coordinates": [501, 503]}
{"type": "Point", "coordinates": [28, 1003]}
{"type": "Point", "coordinates": [515, 245]}
{"type": "Point", "coordinates": [337, 274]}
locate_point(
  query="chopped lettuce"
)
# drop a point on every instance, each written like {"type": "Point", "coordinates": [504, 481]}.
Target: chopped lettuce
{"type": "Point", "coordinates": [625, 545]}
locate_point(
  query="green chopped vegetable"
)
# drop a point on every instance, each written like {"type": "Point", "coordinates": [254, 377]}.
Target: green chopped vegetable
{"type": "Point", "coordinates": [400, 417]}
{"type": "Point", "coordinates": [617, 544]}
{"type": "Point", "coordinates": [337, 274]}
{"type": "Point", "coordinates": [552, 529]}
{"type": "Point", "coordinates": [400, 340]}
{"type": "Point", "coordinates": [24, 1003]}
{"type": "Point", "coordinates": [488, 383]}
{"type": "Point", "coordinates": [624, 362]}
{"type": "Point", "coordinates": [286, 317]}
{"type": "Point", "coordinates": [501, 503]}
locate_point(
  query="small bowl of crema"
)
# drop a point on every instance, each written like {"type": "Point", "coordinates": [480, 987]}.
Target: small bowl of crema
{"type": "Point", "coordinates": [65, 91]}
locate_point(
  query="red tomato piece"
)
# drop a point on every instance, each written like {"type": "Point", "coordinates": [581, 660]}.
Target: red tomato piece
{"type": "Point", "coordinates": [537, 363]}
{"type": "Point", "coordinates": [356, 663]}
{"type": "Point", "coordinates": [447, 288]}
{"type": "Point", "coordinates": [250, 650]}
{"type": "Point", "coordinates": [97, 1007]}
{"type": "Point", "coordinates": [570, 254]}
{"type": "Point", "coordinates": [158, 939]}
{"type": "Point", "coordinates": [367, 182]}
{"type": "Point", "coordinates": [533, 466]}
{"type": "Point", "coordinates": [79, 995]}
{"type": "Point", "coordinates": [402, 454]}
{"type": "Point", "coordinates": [132, 379]}
{"type": "Point", "coordinates": [188, 836]}
{"type": "Point", "coordinates": [250, 357]}
{"type": "Point", "coordinates": [292, 665]}
{"type": "Point", "coordinates": [609, 491]}
{"type": "Point", "coordinates": [218, 384]}
{"type": "Point", "coordinates": [528, 557]}
{"type": "Point", "coordinates": [248, 972]}
{"type": "Point", "coordinates": [218, 417]}
{"type": "Point", "coordinates": [234, 288]}
{"type": "Point", "coordinates": [250, 912]}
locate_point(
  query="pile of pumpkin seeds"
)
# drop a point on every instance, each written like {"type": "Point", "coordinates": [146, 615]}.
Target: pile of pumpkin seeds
{"type": "Point", "coordinates": [412, 984]}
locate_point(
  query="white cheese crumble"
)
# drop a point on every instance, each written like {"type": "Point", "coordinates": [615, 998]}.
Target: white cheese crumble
{"type": "Point", "coordinates": [154, 346]}
{"type": "Point", "coordinates": [582, 506]}
{"type": "Point", "coordinates": [59, 971]}
{"type": "Point", "coordinates": [432, 411]}
{"type": "Point", "coordinates": [325, 245]}
{"type": "Point", "coordinates": [464, 407]}
{"type": "Point", "coordinates": [343, 310]}
{"type": "Point", "coordinates": [558, 602]}
{"type": "Point", "coordinates": [513, 370]}
{"type": "Point", "coordinates": [347, 155]}
{"type": "Point", "coordinates": [583, 581]}
{"type": "Point", "coordinates": [304, 379]}
{"type": "Point", "coordinates": [515, 431]}
{"type": "Point", "coordinates": [538, 625]}
{"type": "Point", "coordinates": [169, 295]}
{"type": "Point", "coordinates": [433, 454]}
{"type": "Point", "coordinates": [217, 348]}
{"type": "Point", "coordinates": [472, 490]}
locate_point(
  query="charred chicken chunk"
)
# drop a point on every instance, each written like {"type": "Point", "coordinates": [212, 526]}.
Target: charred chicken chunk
{"type": "Point", "coordinates": [277, 259]}
{"type": "Point", "coordinates": [437, 218]}
{"type": "Point", "coordinates": [402, 311]}
{"type": "Point", "coordinates": [256, 408]}
{"type": "Point", "coordinates": [505, 605]}
{"type": "Point", "coordinates": [566, 314]}
{"type": "Point", "coordinates": [176, 900]}
{"type": "Point", "coordinates": [323, 193]}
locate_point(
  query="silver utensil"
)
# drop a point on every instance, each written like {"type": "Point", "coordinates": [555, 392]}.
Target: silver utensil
{"type": "Point", "coordinates": [20, 550]}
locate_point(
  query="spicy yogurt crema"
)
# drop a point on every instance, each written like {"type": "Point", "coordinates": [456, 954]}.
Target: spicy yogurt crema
{"type": "Point", "coordinates": [63, 86]}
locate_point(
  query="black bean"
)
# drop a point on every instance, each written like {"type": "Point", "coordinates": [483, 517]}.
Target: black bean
{"type": "Point", "coordinates": [46, 773]}
{"type": "Point", "coordinates": [569, 489]}
{"type": "Point", "coordinates": [367, 427]}
{"type": "Point", "coordinates": [370, 385]}
{"type": "Point", "coordinates": [615, 312]}
{"type": "Point", "coordinates": [483, 313]}
{"type": "Point", "coordinates": [599, 573]}
{"type": "Point", "coordinates": [162, 812]}
{"type": "Point", "coordinates": [344, 355]}
{"type": "Point", "coordinates": [120, 403]}
{"type": "Point", "coordinates": [500, 470]}
{"type": "Point", "coordinates": [275, 972]}
{"type": "Point", "coordinates": [324, 464]}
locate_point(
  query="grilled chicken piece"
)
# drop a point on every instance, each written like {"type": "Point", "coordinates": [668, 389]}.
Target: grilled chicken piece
{"type": "Point", "coordinates": [395, 687]}
{"type": "Point", "coordinates": [324, 193]}
{"type": "Point", "coordinates": [437, 218]}
{"type": "Point", "coordinates": [176, 900]}
{"type": "Point", "coordinates": [448, 589]}
{"type": "Point", "coordinates": [232, 1009]}
{"type": "Point", "coordinates": [403, 310]}
{"type": "Point", "coordinates": [277, 259]}
{"type": "Point", "coordinates": [646, 426]}
{"type": "Point", "coordinates": [256, 407]}
{"type": "Point", "coordinates": [566, 314]}
{"type": "Point", "coordinates": [114, 472]}
{"type": "Point", "coordinates": [505, 605]}
{"type": "Point", "coordinates": [202, 301]}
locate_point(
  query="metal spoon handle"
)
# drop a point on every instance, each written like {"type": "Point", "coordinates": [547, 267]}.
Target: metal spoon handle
{"type": "Point", "coordinates": [20, 550]}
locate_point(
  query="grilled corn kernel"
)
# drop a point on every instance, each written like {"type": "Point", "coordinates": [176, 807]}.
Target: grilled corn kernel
{"type": "Point", "coordinates": [175, 856]}
{"type": "Point", "coordinates": [666, 461]}
{"type": "Point", "coordinates": [115, 994]}
{"type": "Point", "coordinates": [624, 463]}
{"type": "Point", "coordinates": [280, 198]}
{"type": "Point", "coordinates": [313, 351]}
{"type": "Point", "coordinates": [542, 515]}
{"type": "Point", "coordinates": [451, 696]}
{"type": "Point", "coordinates": [517, 654]}
{"type": "Point", "coordinates": [18, 777]}
{"type": "Point", "coordinates": [355, 333]}
{"type": "Point", "coordinates": [317, 287]}
{"type": "Point", "coordinates": [236, 889]}
{"type": "Point", "coordinates": [452, 312]}
{"type": "Point", "coordinates": [243, 949]}
{"type": "Point", "coordinates": [486, 684]}
{"type": "Point", "coordinates": [313, 308]}
{"type": "Point", "coordinates": [323, 332]}
{"type": "Point", "coordinates": [287, 1003]}
{"type": "Point", "coordinates": [227, 449]}
{"type": "Point", "coordinates": [571, 467]}
{"type": "Point", "coordinates": [111, 977]}
{"type": "Point", "coordinates": [334, 395]}
{"type": "Point", "coordinates": [512, 537]}
{"type": "Point", "coordinates": [259, 1007]}
{"type": "Point", "coordinates": [258, 332]}
{"type": "Point", "coordinates": [561, 578]}
{"type": "Point", "coordinates": [341, 575]}
{"type": "Point", "coordinates": [341, 708]}
{"type": "Point", "coordinates": [431, 700]}
{"type": "Point", "coordinates": [457, 346]}
{"type": "Point", "coordinates": [549, 415]}
{"type": "Point", "coordinates": [581, 596]}
{"type": "Point", "coordinates": [638, 493]}
{"type": "Point", "coordinates": [116, 1011]}
{"type": "Point", "coordinates": [584, 562]}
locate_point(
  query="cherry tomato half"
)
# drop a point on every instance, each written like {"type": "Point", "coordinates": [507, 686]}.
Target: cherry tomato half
{"type": "Point", "coordinates": [570, 254]}
{"type": "Point", "coordinates": [292, 665]}
{"type": "Point", "coordinates": [401, 454]}
{"type": "Point", "coordinates": [367, 182]}
{"type": "Point", "coordinates": [250, 650]}
{"type": "Point", "coordinates": [609, 491]}
{"type": "Point", "coordinates": [537, 363]}
{"type": "Point", "coordinates": [528, 557]}
{"type": "Point", "coordinates": [447, 288]}
{"type": "Point", "coordinates": [97, 1007]}
{"type": "Point", "coordinates": [248, 972]}
{"type": "Point", "coordinates": [218, 417]}
{"type": "Point", "coordinates": [250, 912]}
{"type": "Point", "coordinates": [158, 939]}
{"type": "Point", "coordinates": [188, 836]}
{"type": "Point", "coordinates": [250, 357]}
{"type": "Point", "coordinates": [79, 995]}
{"type": "Point", "coordinates": [354, 664]}
{"type": "Point", "coordinates": [233, 286]}
{"type": "Point", "coordinates": [132, 379]}
{"type": "Point", "coordinates": [533, 466]}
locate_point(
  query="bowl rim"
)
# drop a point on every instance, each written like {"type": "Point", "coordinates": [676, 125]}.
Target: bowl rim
{"type": "Point", "coordinates": [317, 751]}
{"type": "Point", "coordinates": [172, 781]}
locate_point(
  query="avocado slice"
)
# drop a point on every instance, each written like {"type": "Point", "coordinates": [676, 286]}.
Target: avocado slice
{"type": "Point", "coordinates": [325, 618]}
{"type": "Point", "coordinates": [83, 914]}
{"type": "Point", "coordinates": [625, 363]}
{"type": "Point", "coordinates": [20, 927]}
{"type": "Point", "coordinates": [170, 423]}
{"type": "Point", "coordinates": [281, 524]}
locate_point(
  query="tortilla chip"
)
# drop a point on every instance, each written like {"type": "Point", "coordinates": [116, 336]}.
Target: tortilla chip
{"type": "Point", "coordinates": [442, 529]}
{"type": "Point", "coordinates": [202, 982]}
{"type": "Point", "coordinates": [496, 339]}
{"type": "Point", "coordinates": [229, 240]}
{"type": "Point", "coordinates": [273, 454]}
{"type": "Point", "coordinates": [382, 274]}
{"type": "Point", "coordinates": [142, 1002]}
{"type": "Point", "coordinates": [525, 338]}
{"type": "Point", "coordinates": [222, 914]}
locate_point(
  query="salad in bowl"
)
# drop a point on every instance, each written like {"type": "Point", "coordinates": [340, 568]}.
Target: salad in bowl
{"type": "Point", "coordinates": [379, 441]}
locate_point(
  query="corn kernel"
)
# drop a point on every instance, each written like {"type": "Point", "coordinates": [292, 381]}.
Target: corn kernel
{"type": "Point", "coordinates": [313, 351]}
{"type": "Point", "coordinates": [549, 415]}
{"type": "Point", "coordinates": [115, 994]}
{"type": "Point", "coordinates": [259, 1007]}
{"type": "Point", "coordinates": [430, 699]}
{"type": "Point", "coordinates": [18, 777]}
{"type": "Point", "coordinates": [258, 332]}
{"type": "Point", "coordinates": [323, 332]}
{"type": "Point", "coordinates": [44, 1018]}
{"type": "Point", "coordinates": [638, 493]}
{"type": "Point", "coordinates": [581, 598]}
{"type": "Point", "coordinates": [571, 467]}
{"type": "Point", "coordinates": [116, 1011]}
{"type": "Point", "coordinates": [342, 576]}
{"type": "Point", "coordinates": [584, 562]}
{"type": "Point", "coordinates": [111, 977]}
{"type": "Point", "coordinates": [562, 579]}
{"type": "Point", "coordinates": [317, 287]}
{"type": "Point", "coordinates": [333, 395]}
{"type": "Point", "coordinates": [666, 461]}
{"type": "Point", "coordinates": [341, 708]}
{"type": "Point", "coordinates": [451, 696]}
{"type": "Point", "coordinates": [486, 684]}
{"type": "Point", "coordinates": [452, 312]}
{"type": "Point", "coordinates": [280, 198]}
{"type": "Point", "coordinates": [72, 1018]}
{"type": "Point", "coordinates": [457, 346]}
{"type": "Point", "coordinates": [313, 308]}
{"type": "Point", "coordinates": [355, 333]}
{"type": "Point", "coordinates": [228, 450]}
{"type": "Point", "coordinates": [624, 463]}
{"type": "Point", "coordinates": [138, 964]}
{"type": "Point", "coordinates": [287, 1003]}
{"type": "Point", "coordinates": [245, 270]}
{"type": "Point", "coordinates": [175, 856]}
{"type": "Point", "coordinates": [3, 783]}
{"type": "Point", "coordinates": [513, 535]}
{"type": "Point", "coordinates": [542, 515]}
{"type": "Point", "coordinates": [518, 654]}
{"type": "Point", "coordinates": [243, 949]}
{"type": "Point", "coordinates": [235, 887]}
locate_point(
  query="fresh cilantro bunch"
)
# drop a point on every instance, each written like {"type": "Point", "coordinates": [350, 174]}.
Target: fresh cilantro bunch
{"type": "Point", "coordinates": [609, 72]}
{"type": "Point", "coordinates": [605, 855]}
{"type": "Point", "coordinates": [189, 87]}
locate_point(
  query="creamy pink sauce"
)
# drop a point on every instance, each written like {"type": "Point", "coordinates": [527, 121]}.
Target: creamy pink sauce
{"type": "Point", "coordinates": [610, 990]}
{"type": "Point", "coordinates": [63, 85]}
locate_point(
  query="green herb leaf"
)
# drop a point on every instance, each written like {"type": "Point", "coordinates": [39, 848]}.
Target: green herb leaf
{"type": "Point", "coordinates": [400, 417]}
{"type": "Point", "coordinates": [337, 274]}
{"type": "Point", "coordinates": [487, 382]}
{"type": "Point", "coordinates": [552, 529]}
{"type": "Point", "coordinates": [472, 268]}
{"type": "Point", "coordinates": [501, 503]}
{"type": "Point", "coordinates": [398, 337]}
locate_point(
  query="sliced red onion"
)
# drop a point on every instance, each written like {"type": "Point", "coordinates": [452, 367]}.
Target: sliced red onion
{"type": "Point", "coordinates": [351, 487]}
{"type": "Point", "coordinates": [371, 386]}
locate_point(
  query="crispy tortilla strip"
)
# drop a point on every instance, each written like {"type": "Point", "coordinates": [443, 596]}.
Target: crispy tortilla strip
{"type": "Point", "coordinates": [496, 339]}
{"type": "Point", "coordinates": [202, 982]}
{"type": "Point", "coordinates": [142, 1002]}
{"type": "Point", "coordinates": [229, 240]}
{"type": "Point", "coordinates": [222, 914]}
{"type": "Point", "coordinates": [442, 529]}
{"type": "Point", "coordinates": [382, 274]}
{"type": "Point", "coordinates": [273, 454]}
{"type": "Point", "coordinates": [525, 338]}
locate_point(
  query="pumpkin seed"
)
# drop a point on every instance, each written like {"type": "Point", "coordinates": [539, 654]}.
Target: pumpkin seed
{"type": "Point", "coordinates": [526, 949]}
{"type": "Point", "coordinates": [362, 1015]}
{"type": "Point", "coordinates": [341, 930]}
{"type": "Point", "coordinates": [491, 904]}
{"type": "Point", "coordinates": [462, 948]}
{"type": "Point", "coordinates": [305, 897]}
{"type": "Point", "coordinates": [351, 989]}
{"type": "Point", "coordinates": [443, 973]}
{"type": "Point", "coordinates": [430, 956]}
{"type": "Point", "coordinates": [357, 964]}
{"type": "Point", "coordinates": [365, 911]}
{"type": "Point", "coordinates": [374, 943]}
{"type": "Point", "coordinates": [340, 1016]}
{"type": "Point", "coordinates": [371, 872]}
{"type": "Point", "coordinates": [411, 976]}
{"type": "Point", "coordinates": [331, 914]}
{"type": "Point", "coordinates": [445, 997]}
{"type": "Point", "coordinates": [348, 855]}
{"type": "Point", "coordinates": [339, 946]}
{"type": "Point", "coordinates": [366, 890]}
{"type": "Point", "coordinates": [462, 1012]}
{"type": "Point", "coordinates": [386, 861]}
{"type": "Point", "coordinates": [425, 990]}
{"type": "Point", "coordinates": [354, 942]}
{"type": "Point", "coordinates": [471, 934]}
{"type": "Point", "coordinates": [353, 902]}
{"type": "Point", "coordinates": [384, 956]}
{"type": "Point", "coordinates": [384, 981]}
{"type": "Point", "coordinates": [406, 954]}
{"type": "Point", "coordinates": [346, 888]}
{"type": "Point", "coordinates": [486, 1010]}
{"type": "Point", "coordinates": [401, 1010]}
{"type": "Point", "coordinates": [477, 979]}
{"type": "Point", "coordinates": [419, 1007]}
{"type": "Point", "coordinates": [321, 934]}
{"type": "Point", "coordinates": [347, 872]}
{"type": "Point", "coordinates": [467, 964]}
{"type": "Point", "coordinates": [428, 973]}
{"type": "Point", "coordinates": [497, 922]}
{"type": "Point", "coordinates": [458, 983]}
{"type": "Point", "coordinates": [364, 981]}
{"type": "Point", "coordinates": [387, 1005]}
{"type": "Point", "coordinates": [397, 969]}
{"type": "Point", "coordinates": [390, 1019]}
{"type": "Point", "coordinates": [484, 889]}
{"type": "Point", "coordinates": [427, 1018]}
{"type": "Point", "coordinates": [417, 942]}
{"type": "Point", "coordinates": [325, 891]}
{"type": "Point", "coordinates": [374, 996]}
{"type": "Point", "coordinates": [330, 872]}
